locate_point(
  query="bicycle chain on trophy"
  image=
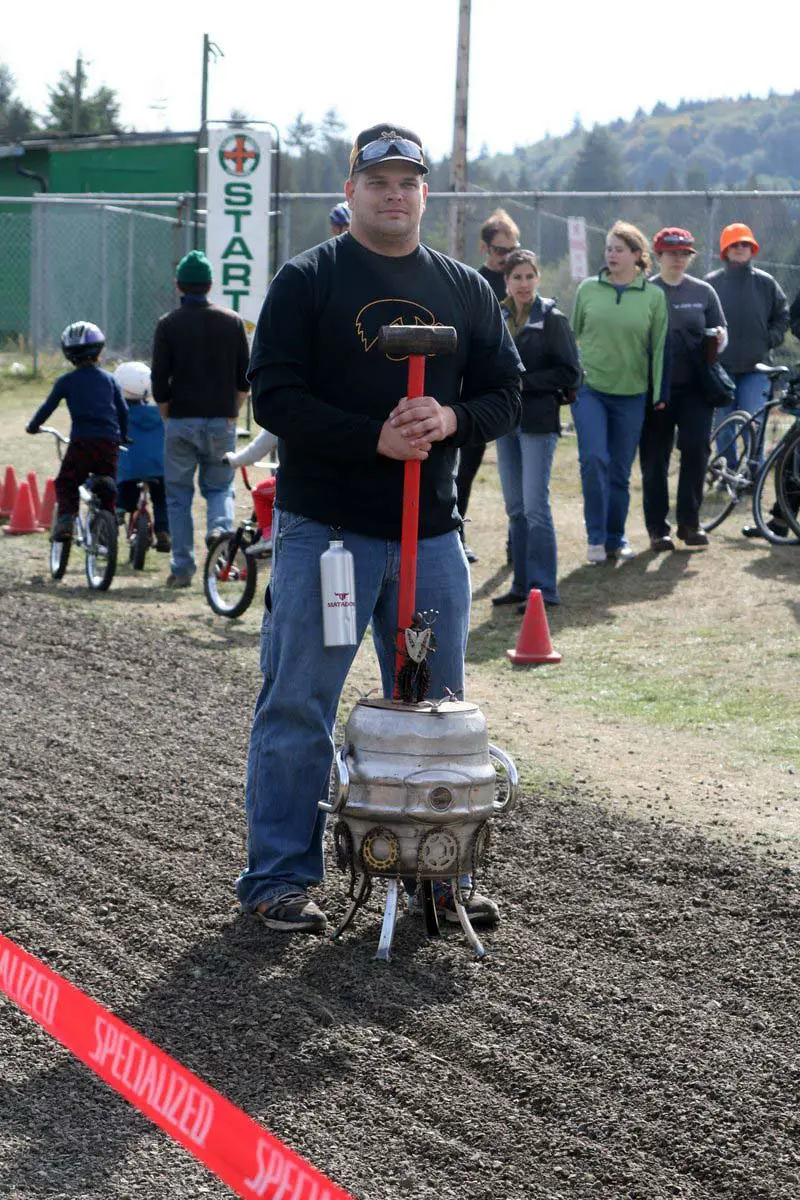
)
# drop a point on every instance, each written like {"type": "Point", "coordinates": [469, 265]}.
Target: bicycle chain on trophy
{"type": "Point", "coordinates": [479, 848]}
{"type": "Point", "coordinates": [414, 677]}
{"type": "Point", "coordinates": [346, 861]}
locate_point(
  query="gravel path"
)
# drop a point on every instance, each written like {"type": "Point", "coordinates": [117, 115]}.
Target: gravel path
{"type": "Point", "coordinates": [634, 1034]}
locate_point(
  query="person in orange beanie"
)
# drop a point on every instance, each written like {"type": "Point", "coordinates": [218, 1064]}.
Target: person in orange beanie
{"type": "Point", "coordinates": [757, 312]}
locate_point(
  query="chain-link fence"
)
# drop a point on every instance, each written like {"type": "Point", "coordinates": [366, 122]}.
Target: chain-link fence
{"type": "Point", "coordinates": [108, 261]}
{"type": "Point", "coordinates": [542, 218]}
{"type": "Point", "coordinates": [111, 259]}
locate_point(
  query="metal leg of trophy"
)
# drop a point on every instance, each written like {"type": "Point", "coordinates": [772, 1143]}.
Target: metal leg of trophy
{"type": "Point", "coordinates": [363, 892]}
{"type": "Point", "coordinates": [466, 924]}
{"type": "Point", "coordinates": [429, 908]}
{"type": "Point", "coordinates": [389, 918]}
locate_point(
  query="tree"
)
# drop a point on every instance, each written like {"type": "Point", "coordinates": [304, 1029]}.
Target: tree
{"type": "Point", "coordinates": [598, 167]}
{"type": "Point", "coordinates": [333, 127]}
{"type": "Point", "coordinates": [16, 119]}
{"type": "Point", "coordinates": [301, 135]}
{"type": "Point", "coordinates": [96, 113]}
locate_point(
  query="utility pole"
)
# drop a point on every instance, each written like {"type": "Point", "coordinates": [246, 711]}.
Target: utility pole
{"type": "Point", "coordinates": [210, 50]}
{"type": "Point", "coordinates": [76, 97]}
{"type": "Point", "coordinates": [458, 163]}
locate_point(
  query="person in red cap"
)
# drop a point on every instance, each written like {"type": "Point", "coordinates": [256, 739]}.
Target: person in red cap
{"type": "Point", "coordinates": [758, 316]}
{"type": "Point", "coordinates": [694, 308]}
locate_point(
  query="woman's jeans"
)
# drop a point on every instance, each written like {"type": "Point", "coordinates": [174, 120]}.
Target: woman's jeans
{"type": "Point", "coordinates": [524, 461]}
{"type": "Point", "coordinates": [291, 745]}
{"type": "Point", "coordinates": [752, 392]}
{"type": "Point", "coordinates": [608, 429]}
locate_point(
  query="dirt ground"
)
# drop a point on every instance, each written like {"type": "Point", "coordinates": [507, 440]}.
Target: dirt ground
{"type": "Point", "coordinates": [633, 1035]}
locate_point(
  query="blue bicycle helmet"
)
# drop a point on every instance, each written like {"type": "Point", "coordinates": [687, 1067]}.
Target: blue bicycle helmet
{"type": "Point", "coordinates": [340, 215]}
{"type": "Point", "coordinates": [81, 341]}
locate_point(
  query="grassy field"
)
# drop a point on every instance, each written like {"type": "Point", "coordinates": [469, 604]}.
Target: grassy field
{"type": "Point", "coordinates": [677, 694]}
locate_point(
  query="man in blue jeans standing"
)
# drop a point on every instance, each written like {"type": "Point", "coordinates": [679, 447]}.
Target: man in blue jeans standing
{"type": "Point", "coordinates": [199, 377]}
{"type": "Point", "coordinates": [346, 428]}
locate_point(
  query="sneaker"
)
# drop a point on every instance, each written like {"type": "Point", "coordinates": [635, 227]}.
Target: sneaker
{"type": "Point", "coordinates": [510, 597]}
{"type": "Point", "coordinates": [752, 531]}
{"type": "Point", "coordinates": [262, 546]}
{"type": "Point", "coordinates": [621, 553]}
{"type": "Point", "coordinates": [596, 554]}
{"type": "Point", "coordinates": [692, 537]}
{"type": "Point", "coordinates": [63, 529]}
{"type": "Point", "coordinates": [212, 536]}
{"type": "Point", "coordinates": [178, 581]}
{"type": "Point", "coordinates": [292, 912]}
{"type": "Point", "coordinates": [163, 542]}
{"type": "Point", "coordinates": [470, 553]}
{"type": "Point", "coordinates": [482, 911]}
{"type": "Point", "coordinates": [659, 545]}
{"type": "Point", "coordinates": [523, 607]}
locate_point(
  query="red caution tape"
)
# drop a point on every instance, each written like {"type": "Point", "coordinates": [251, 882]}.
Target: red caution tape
{"type": "Point", "coordinates": [232, 1145]}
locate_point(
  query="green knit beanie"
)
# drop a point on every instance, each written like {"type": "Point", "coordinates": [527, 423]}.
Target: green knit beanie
{"type": "Point", "coordinates": [194, 267]}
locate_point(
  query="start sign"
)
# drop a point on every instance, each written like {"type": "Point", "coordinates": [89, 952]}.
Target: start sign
{"type": "Point", "coordinates": [237, 224]}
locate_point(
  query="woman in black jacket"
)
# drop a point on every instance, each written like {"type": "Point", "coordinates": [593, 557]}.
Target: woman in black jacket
{"type": "Point", "coordinates": [524, 458]}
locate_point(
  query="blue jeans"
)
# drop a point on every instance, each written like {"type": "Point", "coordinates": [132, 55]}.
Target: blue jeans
{"type": "Point", "coordinates": [524, 461]}
{"type": "Point", "coordinates": [608, 429]}
{"type": "Point", "coordinates": [291, 744]}
{"type": "Point", "coordinates": [197, 444]}
{"type": "Point", "coordinates": [752, 391]}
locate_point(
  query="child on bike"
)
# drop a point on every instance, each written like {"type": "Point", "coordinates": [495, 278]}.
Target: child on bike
{"type": "Point", "coordinates": [145, 457]}
{"type": "Point", "coordinates": [264, 445]}
{"type": "Point", "coordinates": [99, 422]}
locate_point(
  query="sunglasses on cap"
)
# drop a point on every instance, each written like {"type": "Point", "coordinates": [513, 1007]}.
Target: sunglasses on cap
{"type": "Point", "coordinates": [389, 147]}
{"type": "Point", "coordinates": [673, 239]}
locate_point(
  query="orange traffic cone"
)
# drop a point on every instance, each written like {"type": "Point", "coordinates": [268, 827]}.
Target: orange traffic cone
{"type": "Point", "coordinates": [37, 504]}
{"type": "Point", "coordinates": [48, 503]}
{"type": "Point", "coordinates": [23, 518]}
{"type": "Point", "coordinates": [8, 493]}
{"type": "Point", "coordinates": [533, 644]}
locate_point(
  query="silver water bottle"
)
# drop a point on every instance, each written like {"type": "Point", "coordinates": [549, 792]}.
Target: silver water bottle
{"type": "Point", "coordinates": [338, 580]}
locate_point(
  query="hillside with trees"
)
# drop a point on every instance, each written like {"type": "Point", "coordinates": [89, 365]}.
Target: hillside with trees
{"type": "Point", "coordinates": [725, 144]}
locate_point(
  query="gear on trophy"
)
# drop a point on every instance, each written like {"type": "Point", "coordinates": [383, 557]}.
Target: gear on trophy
{"type": "Point", "coordinates": [380, 850]}
{"type": "Point", "coordinates": [438, 852]}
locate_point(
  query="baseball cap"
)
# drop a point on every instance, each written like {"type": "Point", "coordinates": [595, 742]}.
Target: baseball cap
{"type": "Point", "coordinates": [673, 238]}
{"type": "Point", "coordinates": [384, 141]}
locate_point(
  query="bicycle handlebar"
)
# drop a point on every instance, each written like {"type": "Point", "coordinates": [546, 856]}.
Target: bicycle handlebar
{"type": "Point", "coordinates": [55, 432]}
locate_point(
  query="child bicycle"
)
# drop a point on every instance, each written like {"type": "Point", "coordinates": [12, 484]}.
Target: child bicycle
{"type": "Point", "coordinates": [230, 573]}
{"type": "Point", "coordinates": [140, 528]}
{"type": "Point", "coordinates": [94, 529]}
{"type": "Point", "coordinates": [746, 449]}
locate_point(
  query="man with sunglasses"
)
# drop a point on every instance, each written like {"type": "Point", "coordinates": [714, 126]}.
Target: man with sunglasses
{"type": "Point", "coordinates": [499, 236]}
{"type": "Point", "coordinates": [346, 429]}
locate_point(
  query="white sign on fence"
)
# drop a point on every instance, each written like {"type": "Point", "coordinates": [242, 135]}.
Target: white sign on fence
{"type": "Point", "coordinates": [237, 225]}
{"type": "Point", "coordinates": [578, 251]}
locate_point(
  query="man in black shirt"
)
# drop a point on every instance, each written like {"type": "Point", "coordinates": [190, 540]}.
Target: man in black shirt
{"type": "Point", "coordinates": [199, 374]}
{"type": "Point", "coordinates": [346, 428]}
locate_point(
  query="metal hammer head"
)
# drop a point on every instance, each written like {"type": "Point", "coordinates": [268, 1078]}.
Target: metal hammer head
{"type": "Point", "coordinates": [400, 340]}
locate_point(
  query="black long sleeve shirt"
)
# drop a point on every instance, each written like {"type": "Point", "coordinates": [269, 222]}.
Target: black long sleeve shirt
{"type": "Point", "coordinates": [200, 357]}
{"type": "Point", "coordinates": [322, 385]}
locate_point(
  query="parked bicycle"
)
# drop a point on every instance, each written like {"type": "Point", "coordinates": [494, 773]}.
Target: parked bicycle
{"type": "Point", "coordinates": [230, 573]}
{"type": "Point", "coordinates": [787, 474]}
{"type": "Point", "coordinates": [95, 528]}
{"type": "Point", "coordinates": [745, 451]}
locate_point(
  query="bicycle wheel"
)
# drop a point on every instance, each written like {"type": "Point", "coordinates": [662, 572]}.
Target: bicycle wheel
{"type": "Point", "coordinates": [788, 481]}
{"type": "Point", "coordinates": [229, 578]}
{"type": "Point", "coordinates": [141, 541]}
{"type": "Point", "coordinates": [728, 475]}
{"type": "Point", "coordinates": [767, 508]}
{"type": "Point", "coordinates": [101, 550]}
{"type": "Point", "coordinates": [59, 551]}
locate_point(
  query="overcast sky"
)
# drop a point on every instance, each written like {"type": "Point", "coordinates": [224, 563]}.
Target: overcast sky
{"type": "Point", "coordinates": [533, 66]}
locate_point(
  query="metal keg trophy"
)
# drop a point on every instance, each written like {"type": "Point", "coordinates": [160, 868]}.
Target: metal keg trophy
{"type": "Point", "coordinates": [415, 783]}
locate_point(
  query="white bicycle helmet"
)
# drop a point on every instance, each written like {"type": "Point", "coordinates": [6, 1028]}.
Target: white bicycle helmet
{"type": "Point", "coordinates": [134, 380]}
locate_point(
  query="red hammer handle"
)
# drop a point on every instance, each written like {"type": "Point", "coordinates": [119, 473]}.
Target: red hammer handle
{"type": "Point", "coordinates": [409, 533]}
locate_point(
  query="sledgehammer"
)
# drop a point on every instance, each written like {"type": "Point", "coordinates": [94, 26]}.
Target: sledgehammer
{"type": "Point", "coordinates": [417, 342]}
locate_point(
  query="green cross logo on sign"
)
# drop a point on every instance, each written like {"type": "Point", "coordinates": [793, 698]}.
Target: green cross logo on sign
{"type": "Point", "coordinates": [239, 154]}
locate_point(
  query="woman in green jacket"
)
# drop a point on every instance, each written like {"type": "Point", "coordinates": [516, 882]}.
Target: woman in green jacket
{"type": "Point", "coordinates": [620, 322]}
